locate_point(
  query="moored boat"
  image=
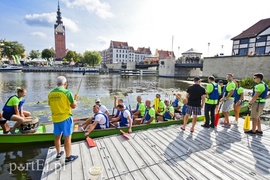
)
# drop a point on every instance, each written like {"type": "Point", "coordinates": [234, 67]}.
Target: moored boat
{"type": "Point", "coordinates": [10, 68]}
{"type": "Point", "coordinates": [44, 133]}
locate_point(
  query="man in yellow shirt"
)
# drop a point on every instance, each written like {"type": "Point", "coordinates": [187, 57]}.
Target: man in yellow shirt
{"type": "Point", "coordinates": [61, 102]}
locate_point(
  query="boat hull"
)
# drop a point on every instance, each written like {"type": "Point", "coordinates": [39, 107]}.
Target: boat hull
{"type": "Point", "coordinates": [42, 136]}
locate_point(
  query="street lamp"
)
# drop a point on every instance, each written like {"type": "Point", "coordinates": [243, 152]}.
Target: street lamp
{"type": "Point", "coordinates": [208, 49]}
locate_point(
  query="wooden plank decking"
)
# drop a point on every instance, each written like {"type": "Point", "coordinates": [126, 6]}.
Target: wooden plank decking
{"type": "Point", "coordinates": [169, 153]}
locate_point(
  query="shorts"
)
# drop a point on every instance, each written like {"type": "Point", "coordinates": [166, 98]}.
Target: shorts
{"type": "Point", "coordinates": [140, 116]}
{"type": "Point", "coordinates": [193, 110]}
{"type": "Point", "coordinates": [65, 127]}
{"type": "Point", "coordinates": [120, 124]}
{"type": "Point", "coordinates": [7, 115]}
{"type": "Point", "coordinates": [257, 110]}
{"type": "Point", "coordinates": [227, 105]}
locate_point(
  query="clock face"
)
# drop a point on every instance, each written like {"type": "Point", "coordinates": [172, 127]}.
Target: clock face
{"type": "Point", "coordinates": [59, 29]}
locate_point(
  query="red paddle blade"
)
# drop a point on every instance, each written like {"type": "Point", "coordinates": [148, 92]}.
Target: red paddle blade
{"type": "Point", "coordinates": [216, 119]}
{"type": "Point", "coordinates": [90, 142]}
{"type": "Point", "coordinates": [126, 135]}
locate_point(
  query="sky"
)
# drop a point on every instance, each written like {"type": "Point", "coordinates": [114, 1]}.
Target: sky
{"type": "Point", "coordinates": [204, 25]}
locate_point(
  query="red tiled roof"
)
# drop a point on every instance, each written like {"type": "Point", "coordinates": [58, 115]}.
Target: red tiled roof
{"type": "Point", "coordinates": [254, 30]}
{"type": "Point", "coordinates": [130, 48]}
{"type": "Point", "coordinates": [144, 50]}
{"type": "Point", "coordinates": [165, 54]}
{"type": "Point", "coordinates": [119, 44]}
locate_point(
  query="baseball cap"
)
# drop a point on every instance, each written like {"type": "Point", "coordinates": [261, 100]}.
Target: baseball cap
{"type": "Point", "coordinates": [97, 100]}
{"type": "Point", "coordinates": [220, 81]}
{"type": "Point", "coordinates": [197, 79]}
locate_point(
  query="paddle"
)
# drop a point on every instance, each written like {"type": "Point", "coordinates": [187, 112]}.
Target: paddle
{"type": "Point", "coordinates": [126, 135]}
{"type": "Point", "coordinates": [217, 116]}
{"type": "Point", "coordinates": [90, 141]}
{"type": "Point", "coordinates": [80, 82]}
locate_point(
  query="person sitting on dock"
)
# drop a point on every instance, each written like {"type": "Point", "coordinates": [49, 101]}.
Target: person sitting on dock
{"type": "Point", "coordinates": [101, 120]}
{"type": "Point", "coordinates": [13, 109]}
{"type": "Point", "coordinates": [169, 111]}
{"type": "Point", "coordinates": [125, 118]}
{"type": "Point", "coordinates": [140, 109]}
{"type": "Point", "coordinates": [161, 108]}
{"type": "Point", "coordinates": [150, 114]}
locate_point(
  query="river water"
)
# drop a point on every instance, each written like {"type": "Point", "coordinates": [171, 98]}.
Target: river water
{"type": "Point", "coordinates": [25, 161]}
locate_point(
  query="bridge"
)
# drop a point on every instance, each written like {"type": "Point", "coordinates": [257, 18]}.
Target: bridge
{"type": "Point", "coordinates": [177, 65]}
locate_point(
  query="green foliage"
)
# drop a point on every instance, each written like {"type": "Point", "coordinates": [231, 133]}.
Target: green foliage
{"type": "Point", "coordinates": [249, 83]}
{"type": "Point", "coordinates": [47, 54]}
{"type": "Point", "coordinates": [34, 54]}
{"type": "Point", "coordinates": [91, 58]}
{"type": "Point", "coordinates": [12, 48]}
{"type": "Point", "coordinates": [70, 56]}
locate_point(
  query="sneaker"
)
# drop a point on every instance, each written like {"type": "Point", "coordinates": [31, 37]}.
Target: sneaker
{"type": "Point", "coordinates": [71, 158]}
{"type": "Point", "coordinates": [235, 122]}
{"type": "Point", "coordinates": [58, 156]}
{"type": "Point", "coordinates": [226, 125]}
{"type": "Point", "coordinates": [259, 132]}
{"type": "Point", "coordinates": [250, 132]}
{"type": "Point", "coordinates": [205, 126]}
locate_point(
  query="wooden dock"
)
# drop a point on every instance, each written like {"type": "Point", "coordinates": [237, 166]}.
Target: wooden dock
{"type": "Point", "coordinates": [170, 153]}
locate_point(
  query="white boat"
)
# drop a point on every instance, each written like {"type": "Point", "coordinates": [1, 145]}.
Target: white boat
{"type": "Point", "coordinates": [10, 68]}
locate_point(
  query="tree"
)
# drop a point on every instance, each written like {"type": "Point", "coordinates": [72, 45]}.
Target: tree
{"type": "Point", "coordinates": [34, 54]}
{"type": "Point", "coordinates": [71, 56]}
{"type": "Point", "coordinates": [91, 58]}
{"type": "Point", "coordinates": [12, 48]}
{"type": "Point", "coordinates": [47, 54]}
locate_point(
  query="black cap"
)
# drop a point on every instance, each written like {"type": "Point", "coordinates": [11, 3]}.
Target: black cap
{"type": "Point", "coordinates": [197, 79]}
{"type": "Point", "coordinates": [158, 95]}
{"type": "Point", "coordinates": [220, 81]}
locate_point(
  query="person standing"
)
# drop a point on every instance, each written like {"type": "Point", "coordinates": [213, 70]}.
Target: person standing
{"type": "Point", "coordinates": [238, 98]}
{"type": "Point", "coordinates": [13, 109]}
{"type": "Point", "coordinates": [220, 83]}
{"type": "Point", "coordinates": [196, 98]}
{"type": "Point", "coordinates": [228, 99]}
{"type": "Point", "coordinates": [257, 103]}
{"type": "Point", "coordinates": [61, 102]}
{"type": "Point", "coordinates": [213, 91]}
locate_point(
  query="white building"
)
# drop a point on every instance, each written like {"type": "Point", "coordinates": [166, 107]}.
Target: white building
{"type": "Point", "coordinates": [120, 52]}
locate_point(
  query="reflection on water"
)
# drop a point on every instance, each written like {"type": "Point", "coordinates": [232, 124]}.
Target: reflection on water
{"type": "Point", "coordinates": [105, 87]}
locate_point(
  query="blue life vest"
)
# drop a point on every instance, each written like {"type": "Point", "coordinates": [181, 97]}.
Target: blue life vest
{"type": "Point", "coordinates": [124, 121]}
{"type": "Point", "coordinates": [118, 112]}
{"type": "Point", "coordinates": [10, 109]}
{"type": "Point", "coordinates": [175, 103]}
{"type": "Point", "coordinates": [184, 109]}
{"type": "Point", "coordinates": [214, 94]}
{"type": "Point", "coordinates": [236, 95]}
{"type": "Point", "coordinates": [167, 114]}
{"type": "Point", "coordinates": [106, 123]}
{"type": "Point", "coordinates": [147, 117]}
{"type": "Point", "coordinates": [225, 92]}
{"type": "Point", "coordinates": [263, 95]}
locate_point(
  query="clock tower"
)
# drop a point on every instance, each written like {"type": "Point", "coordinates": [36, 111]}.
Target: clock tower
{"type": "Point", "coordinates": [59, 36]}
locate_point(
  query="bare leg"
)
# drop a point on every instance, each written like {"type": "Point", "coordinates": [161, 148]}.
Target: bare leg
{"type": "Point", "coordinates": [67, 145]}
{"type": "Point", "coordinates": [236, 111]}
{"type": "Point", "coordinates": [26, 113]}
{"type": "Point", "coordinates": [185, 120]}
{"type": "Point", "coordinates": [194, 120]}
{"type": "Point", "coordinates": [259, 127]}
{"type": "Point", "coordinates": [19, 120]}
{"type": "Point", "coordinates": [226, 117]}
{"type": "Point", "coordinates": [254, 124]}
{"type": "Point", "coordinates": [57, 143]}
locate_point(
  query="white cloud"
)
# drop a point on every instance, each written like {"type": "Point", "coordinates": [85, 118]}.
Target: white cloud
{"type": "Point", "coordinates": [102, 9]}
{"type": "Point", "coordinates": [48, 19]}
{"type": "Point", "coordinates": [39, 34]}
{"type": "Point", "coordinates": [102, 40]}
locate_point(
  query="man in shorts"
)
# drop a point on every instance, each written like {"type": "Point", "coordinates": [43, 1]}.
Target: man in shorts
{"type": "Point", "coordinates": [196, 98]}
{"type": "Point", "coordinates": [61, 102]}
{"type": "Point", "coordinates": [228, 98]}
{"type": "Point", "coordinates": [257, 104]}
